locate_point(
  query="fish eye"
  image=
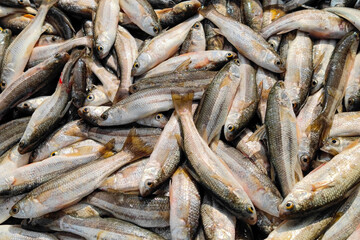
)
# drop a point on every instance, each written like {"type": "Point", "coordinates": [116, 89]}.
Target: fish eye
{"type": "Point", "coordinates": [294, 105]}
{"type": "Point", "coordinates": [272, 45]}
{"type": "Point", "coordinates": [158, 116]}
{"type": "Point", "coordinates": [289, 205]}
{"type": "Point", "coordinates": [351, 101]}
{"type": "Point", "coordinates": [250, 209]}
{"type": "Point", "coordinates": [305, 158]}
{"type": "Point", "coordinates": [90, 97]}
{"type": "Point", "coordinates": [85, 110]}
{"type": "Point", "coordinates": [136, 65]}
{"type": "Point", "coordinates": [149, 184]}
{"type": "Point", "coordinates": [100, 48]}
{"type": "Point", "coordinates": [335, 141]}
{"type": "Point", "coordinates": [314, 82]}
{"type": "Point", "coordinates": [237, 61]}
{"type": "Point", "coordinates": [231, 127]}
{"type": "Point", "coordinates": [57, 55]}
{"type": "Point", "coordinates": [21, 2]}
{"type": "Point", "coordinates": [54, 154]}
{"type": "Point", "coordinates": [104, 116]}
{"type": "Point", "coordinates": [134, 88]}
{"type": "Point", "coordinates": [196, 25]}
{"type": "Point", "coordinates": [3, 84]}
{"type": "Point", "coordinates": [156, 30]}
{"type": "Point", "coordinates": [15, 209]}
{"type": "Point", "coordinates": [53, 38]}
{"type": "Point", "coordinates": [25, 105]}
{"type": "Point", "coordinates": [1, 29]}
{"type": "Point", "coordinates": [6, 31]}
{"type": "Point", "coordinates": [278, 62]}
{"type": "Point", "coordinates": [229, 55]}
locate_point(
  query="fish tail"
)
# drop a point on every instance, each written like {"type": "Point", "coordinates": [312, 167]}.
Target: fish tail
{"type": "Point", "coordinates": [205, 10]}
{"type": "Point", "coordinates": [106, 151]}
{"type": "Point", "coordinates": [182, 101]}
{"type": "Point", "coordinates": [136, 145]}
{"type": "Point", "coordinates": [121, 94]}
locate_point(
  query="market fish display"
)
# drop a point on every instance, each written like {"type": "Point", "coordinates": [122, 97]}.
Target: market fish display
{"type": "Point", "coordinates": [146, 119]}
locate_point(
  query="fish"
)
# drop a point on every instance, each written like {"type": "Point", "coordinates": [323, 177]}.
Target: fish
{"type": "Point", "coordinates": [342, 123]}
{"type": "Point", "coordinates": [245, 102]}
{"type": "Point", "coordinates": [18, 53]}
{"type": "Point", "coordinates": [150, 56]}
{"type": "Point", "coordinates": [281, 130]}
{"type": "Point", "coordinates": [195, 40]}
{"type": "Point", "coordinates": [261, 52]}
{"type": "Point", "coordinates": [185, 202]}
{"type": "Point", "coordinates": [335, 145]}
{"type": "Point", "coordinates": [143, 15]}
{"type": "Point", "coordinates": [323, 187]}
{"type": "Point", "coordinates": [253, 14]}
{"type": "Point", "coordinates": [318, 23]}
{"type": "Point", "coordinates": [352, 91]}
{"type": "Point", "coordinates": [29, 106]}
{"type": "Point", "coordinates": [16, 232]}
{"type": "Point", "coordinates": [105, 26]}
{"type": "Point", "coordinates": [144, 212]}
{"type": "Point", "coordinates": [211, 171]}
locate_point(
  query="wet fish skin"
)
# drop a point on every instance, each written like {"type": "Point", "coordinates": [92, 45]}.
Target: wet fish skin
{"type": "Point", "coordinates": [214, 41]}
{"type": "Point", "coordinates": [49, 197]}
{"type": "Point", "coordinates": [16, 232]}
{"type": "Point", "coordinates": [322, 51]}
{"type": "Point", "coordinates": [335, 145]}
{"type": "Point", "coordinates": [151, 100]}
{"type": "Point", "coordinates": [217, 221]}
{"type": "Point", "coordinates": [126, 179]}
{"type": "Point", "coordinates": [184, 205]}
{"type": "Point", "coordinates": [49, 112]}
{"type": "Point", "coordinates": [253, 14]}
{"type": "Point", "coordinates": [343, 125]}
{"type": "Point", "coordinates": [18, 53]}
{"type": "Point", "coordinates": [299, 69]}
{"type": "Point", "coordinates": [163, 46]}
{"type": "Point", "coordinates": [324, 186]}
{"type": "Point", "coordinates": [72, 132]}
{"type": "Point", "coordinates": [170, 17]}
{"type": "Point", "coordinates": [143, 15]}
{"type": "Point", "coordinates": [280, 122]}
{"type": "Point", "coordinates": [306, 228]}
{"type": "Point", "coordinates": [153, 211]}
{"type": "Point", "coordinates": [352, 91]}
{"type": "Point", "coordinates": [342, 3]}
{"type": "Point", "coordinates": [105, 26]}
{"type": "Point", "coordinates": [258, 186]}
{"type": "Point", "coordinates": [210, 170]}
{"type": "Point", "coordinates": [348, 219]}
{"type": "Point", "coordinates": [309, 141]}
{"type": "Point", "coordinates": [127, 52]}
{"type": "Point", "coordinates": [245, 102]}
{"type": "Point", "coordinates": [194, 61]}
{"type": "Point", "coordinates": [163, 160]}
{"type": "Point", "coordinates": [6, 204]}
{"type": "Point", "coordinates": [317, 23]}
{"type": "Point", "coordinates": [261, 52]}
{"type": "Point", "coordinates": [195, 40]}
{"type": "Point", "coordinates": [81, 7]}
{"type": "Point", "coordinates": [31, 82]}
{"type": "Point", "coordinates": [30, 105]}
{"type": "Point", "coordinates": [16, 3]}
{"type": "Point", "coordinates": [216, 102]}
{"type": "Point", "coordinates": [96, 96]}
{"type": "Point", "coordinates": [78, 92]}
{"type": "Point", "coordinates": [12, 160]}
{"type": "Point", "coordinates": [174, 79]}
{"type": "Point", "coordinates": [5, 37]}
{"type": "Point", "coordinates": [39, 54]}
{"type": "Point", "coordinates": [11, 132]}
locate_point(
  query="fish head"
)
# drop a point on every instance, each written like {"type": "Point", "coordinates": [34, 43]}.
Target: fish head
{"type": "Point", "coordinates": [332, 145]}
{"type": "Point", "coordinates": [295, 203]}
{"type": "Point", "coordinates": [24, 209]}
{"type": "Point", "coordinates": [315, 85]}
{"type": "Point", "coordinates": [141, 64]}
{"type": "Point", "coordinates": [187, 6]}
{"type": "Point", "coordinates": [275, 63]}
{"type": "Point", "coordinates": [152, 27]}
{"type": "Point", "coordinates": [160, 120]}
{"type": "Point", "coordinates": [24, 3]}
{"type": "Point", "coordinates": [149, 180]}
{"type": "Point", "coordinates": [353, 103]}
{"type": "Point", "coordinates": [92, 114]}
{"type": "Point", "coordinates": [304, 159]}
{"type": "Point", "coordinates": [231, 128]}
{"type": "Point", "coordinates": [103, 46]}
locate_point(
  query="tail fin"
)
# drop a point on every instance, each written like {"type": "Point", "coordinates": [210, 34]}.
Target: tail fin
{"type": "Point", "coordinates": [121, 94]}
{"type": "Point", "coordinates": [182, 102]}
{"type": "Point", "coordinates": [205, 10]}
{"type": "Point", "coordinates": [106, 151]}
{"type": "Point", "coordinates": [136, 145]}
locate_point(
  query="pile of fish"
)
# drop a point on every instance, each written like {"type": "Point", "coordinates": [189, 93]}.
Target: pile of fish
{"type": "Point", "coordinates": [159, 119]}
